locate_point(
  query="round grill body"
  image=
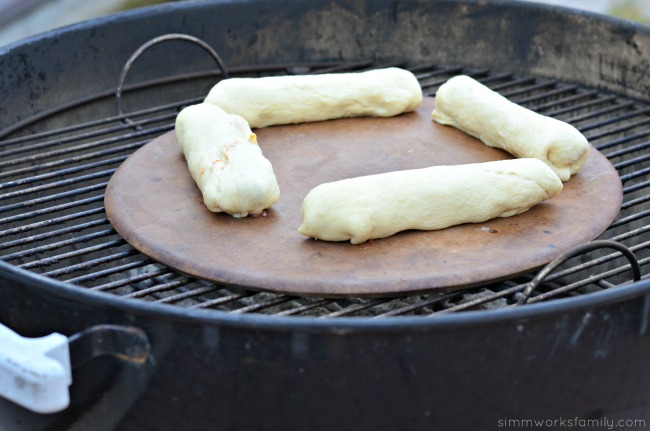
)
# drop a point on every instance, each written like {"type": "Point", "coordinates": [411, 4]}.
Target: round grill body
{"type": "Point", "coordinates": [236, 359]}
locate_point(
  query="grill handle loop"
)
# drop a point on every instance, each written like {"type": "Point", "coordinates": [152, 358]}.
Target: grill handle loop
{"type": "Point", "coordinates": [126, 343]}
{"type": "Point", "coordinates": [576, 251]}
{"type": "Point", "coordinates": [155, 41]}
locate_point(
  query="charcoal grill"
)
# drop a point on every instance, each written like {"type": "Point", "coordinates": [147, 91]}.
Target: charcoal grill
{"type": "Point", "coordinates": [570, 343]}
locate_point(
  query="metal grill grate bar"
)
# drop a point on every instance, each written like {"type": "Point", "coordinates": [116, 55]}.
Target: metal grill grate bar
{"type": "Point", "coordinates": [60, 244]}
{"type": "Point", "coordinates": [575, 96]}
{"type": "Point", "coordinates": [261, 305]}
{"type": "Point", "coordinates": [81, 147]}
{"type": "Point", "coordinates": [53, 197]}
{"type": "Point", "coordinates": [356, 308]}
{"type": "Point", "coordinates": [52, 234]}
{"type": "Point", "coordinates": [133, 280]}
{"type": "Point", "coordinates": [159, 288]}
{"type": "Point", "coordinates": [618, 119]}
{"type": "Point", "coordinates": [305, 308]}
{"type": "Point", "coordinates": [53, 209]}
{"type": "Point", "coordinates": [50, 222]}
{"type": "Point", "coordinates": [620, 129]}
{"type": "Point", "coordinates": [624, 140]}
{"type": "Point", "coordinates": [430, 302]}
{"type": "Point", "coordinates": [57, 174]}
{"type": "Point", "coordinates": [223, 300]}
{"type": "Point", "coordinates": [633, 202]}
{"type": "Point", "coordinates": [92, 263]}
{"type": "Point", "coordinates": [58, 258]}
{"type": "Point", "coordinates": [57, 184]}
{"type": "Point", "coordinates": [114, 270]}
{"type": "Point", "coordinates": [592, 101]}
{"type": "Point", "coordinates": [187, 295]}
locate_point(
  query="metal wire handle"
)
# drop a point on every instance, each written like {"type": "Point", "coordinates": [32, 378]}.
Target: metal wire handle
{"type": "Point", "coordinates": [149, 44]}
{"type": "Point", "coordinates": [576, 251]}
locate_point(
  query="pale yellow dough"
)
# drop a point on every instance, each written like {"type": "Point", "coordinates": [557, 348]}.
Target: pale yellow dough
{"type": "Point", "coordinates": [269, 101]}
{"type": "Point", "coordinates": [225, 161]}
{"type": "Point", "coordinates": [470, 106]}
{"type": "Point", "coordinates": [377, 206]}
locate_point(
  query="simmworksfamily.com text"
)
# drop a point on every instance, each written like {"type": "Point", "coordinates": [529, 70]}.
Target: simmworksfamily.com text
{"type": "Point", "coordinates": [576, 422]}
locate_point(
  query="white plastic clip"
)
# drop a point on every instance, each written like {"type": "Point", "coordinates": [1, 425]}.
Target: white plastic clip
{"type": "Point", "coordinates": [35, 372]}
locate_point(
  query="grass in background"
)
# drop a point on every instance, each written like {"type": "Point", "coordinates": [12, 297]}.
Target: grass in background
{"type": "Point", "coordinates": [133, 4]}
{"type": "Point", "coordinates": [634, 10]}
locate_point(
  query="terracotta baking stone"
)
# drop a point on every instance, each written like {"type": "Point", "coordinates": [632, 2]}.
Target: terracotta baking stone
{"type": "Point", "coordinates": [154, 204]}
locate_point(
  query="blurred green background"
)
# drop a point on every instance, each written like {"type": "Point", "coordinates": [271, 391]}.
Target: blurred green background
{"type": "Point", "coordinates": [635, 10]}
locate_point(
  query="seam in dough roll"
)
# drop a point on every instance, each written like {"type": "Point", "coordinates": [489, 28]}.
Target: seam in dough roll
{"type": "Point", "coordinates": [277, 100]}
{"type": "Point", "coordinates": [225, 161]}
{"type": "Point", "coordinates": [377, 206]}
{"type": "Point", "coordinates": [470, 106]}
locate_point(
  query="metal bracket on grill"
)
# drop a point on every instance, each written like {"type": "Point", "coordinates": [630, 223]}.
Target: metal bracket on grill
{"type": "Point", "coordinates": [576, 251]}
{"type": "Point", "coordinates": [149, 44]}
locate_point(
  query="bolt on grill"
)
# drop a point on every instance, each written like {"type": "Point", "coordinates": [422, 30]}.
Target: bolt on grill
{"type": "Point", "coordinates": [55, 166]}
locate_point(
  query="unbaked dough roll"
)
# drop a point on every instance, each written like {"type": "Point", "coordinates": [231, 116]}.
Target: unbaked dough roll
{"type": "Point", "coordinates": [470, 106]}
{"type": "Point", "coordinates": [275, 100]}
{"type": "Point", "coordinates": [378, 206]}
{"type": "Point", "coordinates": [225, 161]}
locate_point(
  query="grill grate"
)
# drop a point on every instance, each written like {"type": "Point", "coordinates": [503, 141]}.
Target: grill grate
{"type": "Point", "coordinates": [53, 175]}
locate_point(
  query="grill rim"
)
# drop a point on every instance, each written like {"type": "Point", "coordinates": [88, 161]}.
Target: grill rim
{"type": "Point", "coordinates": [620, 28]}
{"type": "Point", "coordinates": [541, 310]}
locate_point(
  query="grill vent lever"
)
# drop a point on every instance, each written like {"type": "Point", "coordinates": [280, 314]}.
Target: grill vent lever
{"type": "Point", "coordinates": [35, 373]}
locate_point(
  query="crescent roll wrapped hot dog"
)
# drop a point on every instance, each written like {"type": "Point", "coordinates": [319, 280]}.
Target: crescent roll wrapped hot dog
{"type": "Point", "coordinates": [225, 161]}
{"type": "Point", "coordinates": [377, 206]}
{"type": "Point", "coordinates": [275, 100]}
{"type": "Point", "coordinates": [473, 108]}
